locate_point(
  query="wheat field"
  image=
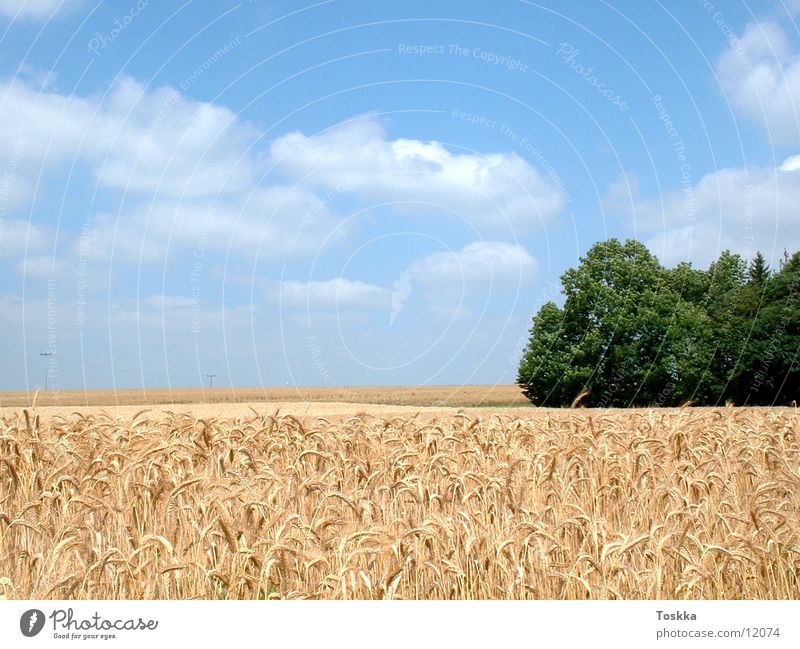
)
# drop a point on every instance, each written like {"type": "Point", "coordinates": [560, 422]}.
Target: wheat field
{"type": "Point", "coordinates": [540, 504]}
{"type": "Point", "coordinates": [496, 395]}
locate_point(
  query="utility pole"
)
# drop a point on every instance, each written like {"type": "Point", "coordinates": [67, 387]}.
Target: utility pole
{"type": "Point", "coordinates": [210, 380]}
{"type": "Point", "coordinates": [45, 355]}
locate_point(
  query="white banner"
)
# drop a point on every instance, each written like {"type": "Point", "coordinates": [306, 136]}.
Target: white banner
{"type": "Point", "coordinates": [405, 625]}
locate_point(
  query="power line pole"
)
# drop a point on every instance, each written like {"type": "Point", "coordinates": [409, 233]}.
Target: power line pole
{"type": "Point", "coordinates": [210, 380]}
{"type": "Point", "coordinates": [45, 355]}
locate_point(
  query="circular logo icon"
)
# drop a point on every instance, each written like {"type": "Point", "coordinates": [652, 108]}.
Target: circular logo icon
{"type": "Point", "coordinates": [31, 622]}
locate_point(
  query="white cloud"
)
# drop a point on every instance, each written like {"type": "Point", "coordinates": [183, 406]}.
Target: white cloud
{"type": "Point", "coordinates": [485, 266]}
{"type": "Point", "coordinates": [43, 267]}
{"type": "Point", "coordinates": [791, 163]}
{"type": "Point", "coordinates": [273, 222]}
{"type": "Point", "coordinates": [159, 140]}
{"type": "Point", "coordinates": [180, 153]}
{"type": "Point", "coordinates": [493, 189]}
{"type": "Point", "coordinates": [501, 264]}
{"type": "Point", "coordinates": [37, 9]}
{"type": "Point", "coordinates": [137, 139]}
{"type": "Point", "coordinates": [15, 192]}
{"type": "Point", "coordinates": [761, 75]}
{"type": "Point", "coordinates": [167, 302]}
{"type": "Point", "coordinates": [338, 293]}
{"type": "Point", "coordinates": [742, 210]}
{"type": "Point", "coordinates": [20, 238]}
{"type": "Point", "coordinates": [620, 193]}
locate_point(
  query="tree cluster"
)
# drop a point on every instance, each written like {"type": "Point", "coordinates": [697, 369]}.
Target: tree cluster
{"type": "Point", "coordinates": [634, 333]}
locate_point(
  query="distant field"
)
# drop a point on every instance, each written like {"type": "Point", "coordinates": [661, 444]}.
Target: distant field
{"type": "Point", "coordinates": [440, 396]}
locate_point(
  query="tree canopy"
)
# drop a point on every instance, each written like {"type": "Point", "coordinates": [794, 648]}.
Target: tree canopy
{"type": "Point", "coordinates": [632, 332]}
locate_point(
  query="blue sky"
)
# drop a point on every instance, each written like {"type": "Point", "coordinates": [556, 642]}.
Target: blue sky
{"type": "Point", "coordinates": [356, 193]}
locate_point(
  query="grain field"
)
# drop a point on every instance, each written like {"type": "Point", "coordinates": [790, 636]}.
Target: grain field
{"type": "Point", "coordinates": [541, 504]}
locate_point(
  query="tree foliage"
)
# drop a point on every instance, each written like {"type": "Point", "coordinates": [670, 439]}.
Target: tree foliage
{"type": "Point", "coordinates": [632, 332]}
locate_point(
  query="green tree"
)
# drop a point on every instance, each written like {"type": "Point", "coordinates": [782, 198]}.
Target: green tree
{"type": "Point", "coordinates": [758, 274]}
{"type": "Point", "coordinates": [769, 371]}
{"type": "Point", "coordinates": [615, 337]}
{"type": "Point", "coordinates": [612, 320]}
{"type": "Point", "coordinates": [727, 278]}
{"type": "Point", "coordinates": [634, 333]}
{"type": "Point", "coordinates": [691, 284]}
{"type": "Point", "coordinates": [542, 372]}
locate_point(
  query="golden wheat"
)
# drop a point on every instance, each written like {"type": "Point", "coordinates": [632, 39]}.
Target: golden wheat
{"type": "Point", "coordinates": [658, 504]}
